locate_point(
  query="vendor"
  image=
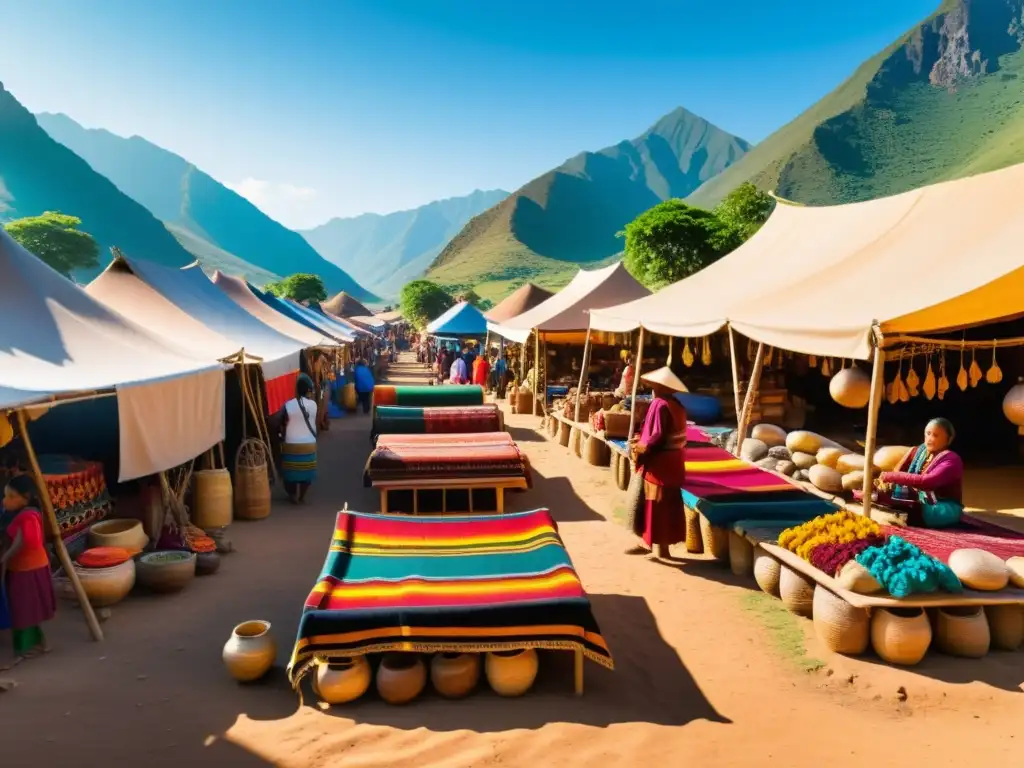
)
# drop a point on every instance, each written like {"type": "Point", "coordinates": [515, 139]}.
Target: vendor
{"type": "Point", "coordinates": [929, 479]}
{"type": "Point", "coordinates": [625, 387]}
{"type": "Point", "coordinates": [659, 456]}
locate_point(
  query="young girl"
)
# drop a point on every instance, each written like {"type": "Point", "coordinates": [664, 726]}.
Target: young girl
{"type": "Point", "coordinates": [26, 568]}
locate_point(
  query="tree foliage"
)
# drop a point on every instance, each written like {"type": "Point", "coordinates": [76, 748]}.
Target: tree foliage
{"type": "Point", "coordinates": [422, 300]}
{"type": "Point", "coordinates": [745, 210]}
{"type": "Point", "coordinates": [674, 240]}
{"type": "Point", "coordinates": [302, 286]}
{"type": "Point", "coordinates": [55, 238]}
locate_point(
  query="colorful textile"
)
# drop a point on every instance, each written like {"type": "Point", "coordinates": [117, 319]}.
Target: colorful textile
{"type": "Point", "coordinates": [78, 491]}
{"type": "Point", "coordinates": [481, 454]}
{"type": "Point", "coordinates": [280, 390]}
{"type": "Point", "coordinates": [298, 462]}
{"type": "Point", "coordinates": [481, 370]}
{"type": "Point", "coordinates": [660, 449]}
{"type": "Point", "coordinates": [969, 533]}
{"type": "Point", "coordinates": [30, 597]}
{"type": "Point", "coordinates": [422, 397]}
{"type": "Point", "coordinates": [469, 583]}
{"type": "Point", "coordinates": [833, 555]}
{"type": "Point", "coordinates": [904, 569]}
{"type": "Point", "coordinates": [28, 524]}
{"type": "Point", "coordinates": [26, 639]}
{"type": "Point", "coordinates": [390, 419]}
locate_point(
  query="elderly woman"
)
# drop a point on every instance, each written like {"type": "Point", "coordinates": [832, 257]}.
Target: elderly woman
{"type": "Point", "coordinates": [659, 456]}
{"type": "Point", "coordinates": [928, 481]}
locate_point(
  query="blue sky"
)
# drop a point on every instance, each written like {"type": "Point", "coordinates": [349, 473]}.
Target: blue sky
{"type": "Point", "coordinates": [317, 109]}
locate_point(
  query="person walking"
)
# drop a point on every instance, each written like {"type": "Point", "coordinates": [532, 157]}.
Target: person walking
{"type": "Point", "coordinates": [364, 384]}
{"type": "Point", "coordinates": [298, 451]}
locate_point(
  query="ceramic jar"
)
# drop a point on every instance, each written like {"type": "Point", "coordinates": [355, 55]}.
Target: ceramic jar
{"type": "Point", "coordinates": [454, 675]}
{"type": "Point", "coordinates": [401, 677]}
{"type": "Point", "coordinates": [343, 680]}
{"type": "Point", "coordinates": [250, 651]}
{"type": "Point", "coordinates": [511, 673]}
{"type": "Point", "coordinates": [107, 586]}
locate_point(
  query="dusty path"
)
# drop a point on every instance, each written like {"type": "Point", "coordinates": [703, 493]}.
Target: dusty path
{"type": "Point", "coordinates": [702, 676]}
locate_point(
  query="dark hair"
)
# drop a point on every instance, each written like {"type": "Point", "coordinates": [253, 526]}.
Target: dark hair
{"type": "Point", "coordinates": [25, 486]}
{"type": "Point", "coordinates": [303, 387]}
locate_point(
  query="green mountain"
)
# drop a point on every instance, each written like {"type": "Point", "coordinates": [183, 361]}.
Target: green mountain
{"type": "Point", "coordinates": [945, 100]}
{"type": "Point", "coordinates": [215, 224]}
{"type": "Point", "coordinates": [384, 252]}
{"type": "Point", "coordinates": [38, 174]}
{"type": "Point", "coordinates": [569, 216]}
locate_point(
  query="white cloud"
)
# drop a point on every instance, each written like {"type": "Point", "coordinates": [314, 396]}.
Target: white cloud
{"type": "Point", "coordinates": [285, 202]}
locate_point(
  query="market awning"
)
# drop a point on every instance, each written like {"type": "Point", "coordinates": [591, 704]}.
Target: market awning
{"type": "Point", "coordinates": [568, 309]}
{"type": "Point", "coordinates": [522, 299]}
{"type": "Point", "coordinates": [461, 320]}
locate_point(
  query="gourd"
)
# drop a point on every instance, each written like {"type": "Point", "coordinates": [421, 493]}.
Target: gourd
{"type": "Point", "coordinates": [829, 456]}
{"type": "Point", "coordinates": [851, 387]}
{"type": "Point", "coordinates": [943, 387]}
{"type": "Point", "coordinates": [769, 434]}
{"type": "Point", "coordinates": [889, 457]}
{"type": "Point", "coordinates": [1013, 405]}
{"type": "Point", "coordinates": [995, 373]}
{"type": "Point", "coordinates": [825, 478]}
{"type": "Point", "coordinates": [961, 377]}
{"type": "Point", "coordinates": [930, 384]}
{"type": "Point", "coordinates": [975, 373]}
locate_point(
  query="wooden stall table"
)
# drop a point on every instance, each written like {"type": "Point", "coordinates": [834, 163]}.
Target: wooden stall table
{"type": "Point", "coordinates": [444, 484]}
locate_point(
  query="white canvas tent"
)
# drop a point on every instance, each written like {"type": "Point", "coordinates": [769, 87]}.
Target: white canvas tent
{"type": "Point", "coordinates": [58, 342]}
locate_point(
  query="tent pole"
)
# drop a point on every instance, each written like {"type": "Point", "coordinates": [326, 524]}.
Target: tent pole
{"type": "Point", "coordinates": [748, 401]}
{"type": "Point", "coordinates": [536, 367]}
{"type": "Point", "coordinates": [583, 375]}
{"type": "Point", "coordinates": [58, 542]}
{"type": "Point", "coordinates": [874, 403]}
{"type": "Point", "coordinates": [636, 385]}
{"type": "Point", "coordinates": [544, 383]}
{"type": "Point", "coordinates": [735, 376]}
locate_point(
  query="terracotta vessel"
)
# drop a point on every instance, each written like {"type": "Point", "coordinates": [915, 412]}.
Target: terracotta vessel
{"type": "Point", "coordinates": [343, 680]}
{"type": "Point", "coordinates": [455, 675]}
{"type": "Point", "coordinates": [511, 673]}
{"type": "Point", "coordinates": [250, 651]}
{"type": "Point", "coordinates": [401, 677]}
{"type": "Point", "coordinates": [126, 534]}
{"type": "Point", "coordinates": [107, 586]}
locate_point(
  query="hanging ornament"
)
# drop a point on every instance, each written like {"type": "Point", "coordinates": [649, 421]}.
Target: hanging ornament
{"type": "Point", "coordinates": [995, 373]}
{"type": "Point", "coordinates": [943, 379]}
{"type": "Point", "coordinates": [687, 353]}
{"type": "Point", "coordinates": [812, 361]}
{"type": "Point", "coordinates": [975, 373]}
{"type": "Point", "coordinates": [768, 357]}
{"type": "Point", "coordinates": [705, 356]}
{"type": "Point", "coordinates": [913, 382]}
{"type": "Point", "coordinates": [851, 387]}
{"type": "Point", "coordinates": [930, 385]}
{"type": "Point", "coordinates": [826, 371]}
{"type": "Point", "coordinates": [1013, 405]}
{"type": "Point", "coordinates": [903, 392]}
{"type": "Point", "coordinates": [668, 360]}
{"type": "Point", "coordinates": [961, 377]}
{"type": "Point", "coordinates": [893, 390]}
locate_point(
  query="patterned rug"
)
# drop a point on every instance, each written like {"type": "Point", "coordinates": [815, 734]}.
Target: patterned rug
{"type": "Point", "coordinates": [480, 454]}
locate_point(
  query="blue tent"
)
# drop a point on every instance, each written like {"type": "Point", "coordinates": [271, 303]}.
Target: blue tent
{"type": "Point", "coordinates": [292, 313]}
{"type": "Point", "coordinates": [462, 320]}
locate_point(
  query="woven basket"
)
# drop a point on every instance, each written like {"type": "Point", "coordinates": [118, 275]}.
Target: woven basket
{"type": "Point", "coordinates": [524, 402]}
{"type": "Point", "coordinates": [839, 626]}
{"type": "Point", "coordinates": [796, 591]}
{"type": "Point", "coordinates": [575, 437]}
{"type": "Point", "coordinates": [596, 452]}
{"type": "Point", "coordinates": [563, 434]}
{"type": "Point", "coordinates": [613, 465]}
{"type": "Point", "coordinates": [962, 631]}
{"type": "Point", "coordinates": [1006, 626]}
{"type": "Point", "coordinates": [716, 540]}
{"type": "Point", "coordinates": [766, 572]}
{"type": "Point", "coordinates": [553, 427]}
{"type": "Point", "coordinates": [252, 483]}
{"type": "Point", "coordinates": [212, 498]}
{"type": "Point", "coordinates": [900, 635]}
{"type": "Point", "coordinates": [694, 540]}
{"type": "Point", "coordinates": [625, 472]}
{"type": "Point", "coordinates": [741, 554]}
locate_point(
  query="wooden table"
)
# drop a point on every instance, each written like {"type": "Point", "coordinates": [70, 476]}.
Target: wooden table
{"type": "Point", "coordinates": [445, 484]}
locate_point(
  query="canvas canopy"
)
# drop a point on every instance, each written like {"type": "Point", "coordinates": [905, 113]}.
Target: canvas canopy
{"type": "Point", "coordinates": [568, 310]}
{"type": "Point", "coordinates": [935, 259]}
{"type": "Point", "coordinates": [523, 298]}
{"type": "Point", "coordinates": [240, 292]}
{"type": "Point", "coordinates": [183, 306]}
{"type": "Point", "coordinates": [347, 325]}
{"type": "Point", "coordinates": [463, 319]}
{"type": "Point", "coordinates": [58, 341]}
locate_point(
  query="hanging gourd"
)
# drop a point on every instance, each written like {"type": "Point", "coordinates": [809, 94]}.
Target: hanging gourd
{"type": "Point", "coordinates": [930, 384]}
{"type": "Point", "coordinates": [668, 360]}
{"type": "Point", "coordinates": [1013, 405]}
{"type": "Point", "coordinates": [826, 370]}
{"type": "Point", "coordinates": [995, 373]}
{"type": "Point", "coordinates": [812, 361]}
{"type": "Point", "coordinates": [687, 353]}
{"type": "Point", "coordinates": [768, 357]}
{"type": "Point", "coordinates": [902, 393]}
{"type": "Point", "coordinates": [705, 356]}
{"type": "Point", "coordinates": [893, 391]}
{"type": "Point", "coordinates": [975, 373]}
{"type": "Point", "coordinates": [913, 381]}
{"type": "Point", "coordinates": [851, 387]}
{"type": "Point", "coordinates": [961, 377]}
{"type": "Point", "coordinates": [943, 379]}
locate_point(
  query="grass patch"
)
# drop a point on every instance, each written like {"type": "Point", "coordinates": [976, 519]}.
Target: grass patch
{"type": "Point", "coordinates": [619, 515]}
{"type": "Point", "coordinates": [787, 636]}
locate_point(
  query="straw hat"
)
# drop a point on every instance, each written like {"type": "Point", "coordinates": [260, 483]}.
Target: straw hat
{"type": "Point", "coordinates": [665, 378]}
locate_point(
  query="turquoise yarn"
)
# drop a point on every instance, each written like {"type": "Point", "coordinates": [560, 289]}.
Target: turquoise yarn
{"type": "Point", "coordinates": [903, 569]}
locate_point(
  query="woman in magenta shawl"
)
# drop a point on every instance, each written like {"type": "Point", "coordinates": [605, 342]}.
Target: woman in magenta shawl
{"type": "Point", "coordinates": [659, 456]}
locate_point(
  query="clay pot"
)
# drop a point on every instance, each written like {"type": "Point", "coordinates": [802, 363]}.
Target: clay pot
{"type": "Point", "coordinates": [511, 673]}
{"type": "Point", "coordinates": [900, 635]}
{"type": "Point", "coordinates": [1006, 626]}
{"type": "Point", "coordinates": [796, 591]}
{"type": "Point", "coordinates": [766, 572]}
{"type": "Point", "coordinates": [107, 586]}
{"type": "Point", "coordinates": [168, 571]}
{"type": "Point", "coordinates": [342, 680]}
{"type": "Point", "coordinates": [125, 534]}
{"type": "Point", "coordinates": [839, 626]}
{"type": "Point", "coordinates": [401, 677]}
{"type": "Point", "coordinates": [207, 563]}
{"type": "Point", "coordinates": [250, 651]}
{"type": "Point", "coordinates": [962, 631]}
{"type": "Point", "coordinates": [455, 675]}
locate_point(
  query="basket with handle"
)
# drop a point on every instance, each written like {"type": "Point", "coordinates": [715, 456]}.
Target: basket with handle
{"type": "Point", "coordinates": [252, 481]}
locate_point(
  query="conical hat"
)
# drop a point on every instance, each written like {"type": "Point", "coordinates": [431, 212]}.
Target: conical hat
{"type": "Point", "coordinates": [665, 378]}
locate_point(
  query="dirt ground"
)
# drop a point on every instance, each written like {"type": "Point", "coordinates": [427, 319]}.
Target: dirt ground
{"type": "Point", "coordinates": [708, 671]}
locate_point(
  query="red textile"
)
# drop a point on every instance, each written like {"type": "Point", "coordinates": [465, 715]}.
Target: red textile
{"type": "Point", "coordinates": [969, 533]}
{"type": "Point", "coordinates": [660, 465]}
{"type": "Point", "coordinates": [480, 370]}
{"type": "Point", "coordinates": [32, 553]}
{"type": "Point", "coordinates": [664, 521]}
{"type": "Point", "coordinates": [280, 391]}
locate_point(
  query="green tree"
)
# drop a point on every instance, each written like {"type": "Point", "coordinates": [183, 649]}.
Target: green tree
{"type": "Point", "coordinates": [745, 210]}
{"type": "Point", "coordinates": [421, 301]}
{"type": "Point", "coordinates": [55, 238]}
{"type": "Point", "coordinates": [471, 297]}
{"type": "Point", "coordinates": [302, 286]}
{"type": "Point", "coordinates": [672, 241]}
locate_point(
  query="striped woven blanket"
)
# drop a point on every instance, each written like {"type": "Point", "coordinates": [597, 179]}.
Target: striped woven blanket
{"type": "Point", "coordinates": [456, 584]}
{"type": "Point", "coordinates": [422, 397]}
{"type": "Point", "coordinates": [391, 419]}
{"type": "Point", "coordinates": [480, 454]}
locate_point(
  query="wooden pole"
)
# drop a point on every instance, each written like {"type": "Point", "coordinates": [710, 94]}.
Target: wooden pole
{"type": "Point", "coordinates": [58, 542]}
{"type": "Point", "coordinates": [544, 381]}
{"type": "Point", "coordinates": [636, 385]}
{"type": "Point", "coordinates": [668, 360]}
{"type": "Point", "coordinates": [748, 401]}
{"type": "Point", "coordinates": [583, 375]}
{"type": "Point", "coordinates": [874, 403]}
{"type": "Point", "coordinates": [536, 368]}
{"type": "Point", "coordinates": [735, 376]}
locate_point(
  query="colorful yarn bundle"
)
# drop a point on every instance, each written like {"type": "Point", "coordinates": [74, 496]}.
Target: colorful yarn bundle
{"type": "Point", "coordinates": [904, 569]}
{"type": "Point", "coordinates": [837, 528]}
{"type": "Point", "coordinates": [830, 557]}
{"type": "Point", "coordinates": [197, 541]}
